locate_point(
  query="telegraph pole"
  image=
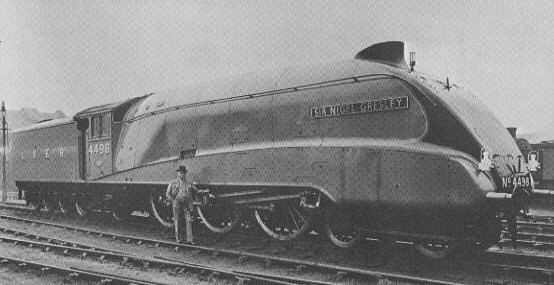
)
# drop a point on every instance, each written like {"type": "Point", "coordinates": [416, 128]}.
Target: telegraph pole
{"type": "Point", "coordinates": [4, 190]}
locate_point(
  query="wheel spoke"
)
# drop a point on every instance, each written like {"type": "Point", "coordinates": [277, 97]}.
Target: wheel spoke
{"type": "Point", "coordinates": [285, 222]}
{"type": "Point", "coordinates": [300, 215]}
{"type": "Point", "coordinates": [293, 219]}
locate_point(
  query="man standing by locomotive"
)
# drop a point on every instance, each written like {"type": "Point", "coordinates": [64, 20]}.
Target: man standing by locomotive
{"type": "Point", "coordinates": [179, 192]}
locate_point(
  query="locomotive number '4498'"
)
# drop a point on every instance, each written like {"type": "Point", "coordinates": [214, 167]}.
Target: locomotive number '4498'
{"type": "Point", "coordinates": [99, 148]}
{"type": "Point", "coordinates": [511, 182]}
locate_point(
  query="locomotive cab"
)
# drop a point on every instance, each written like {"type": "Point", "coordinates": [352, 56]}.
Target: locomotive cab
{"type": "Point", "coordinates": [98, 145]}
{"type": "Point", "coordinates": [99, 129]}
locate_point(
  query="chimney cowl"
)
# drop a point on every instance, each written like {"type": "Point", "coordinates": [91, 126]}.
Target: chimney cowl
{"type": "Point", "coordinates": [390, 53]}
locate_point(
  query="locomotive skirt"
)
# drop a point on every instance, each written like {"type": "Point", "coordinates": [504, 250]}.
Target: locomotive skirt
{"type": "Point", "coordinates": [178, 208]}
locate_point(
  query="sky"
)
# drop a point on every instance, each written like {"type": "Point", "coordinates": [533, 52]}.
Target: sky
{"type": "Point", "coordinates": [70, 55]}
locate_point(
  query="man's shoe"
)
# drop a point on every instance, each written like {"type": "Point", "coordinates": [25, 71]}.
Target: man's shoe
{"type": "Point", "coordinates": [180, 241]}
{"type": "Point", "coordinates": [191, 243]}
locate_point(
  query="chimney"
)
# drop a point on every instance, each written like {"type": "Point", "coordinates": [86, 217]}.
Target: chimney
{"type": "Point", "coordinates": [512, 131]}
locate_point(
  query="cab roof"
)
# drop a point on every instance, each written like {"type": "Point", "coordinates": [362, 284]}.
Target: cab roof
{"type": "Point", "coordinates": [107, 107]}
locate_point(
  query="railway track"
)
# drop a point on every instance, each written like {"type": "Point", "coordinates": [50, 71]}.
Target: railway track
{"type": "Point", "coordinates": [73, 273]}
{"type": "Point", "coordinates": [544, 242]}
{"type": "Point", "coordinates": [521, 264]}
{"type": "Point", "coordinates": [337, 273]}
{"type": "Point", "coordinates": [500, 260]}
{"type": "Point", "coordinates": [103, 254]}
{"type": "Point", "coordinates": [539, 227]}
{"type": "Point", "coordinates": [537, 232]}
{"type": "Point", "coordinates": [106, 255]}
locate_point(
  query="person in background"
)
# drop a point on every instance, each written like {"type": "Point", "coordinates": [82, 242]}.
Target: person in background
{"type": "Point", "coordinates": [533, 164]}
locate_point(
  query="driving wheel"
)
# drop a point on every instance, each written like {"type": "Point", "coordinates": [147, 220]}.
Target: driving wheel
{"type": "Point", "coordinates": [340, 229]}
{"type": "Point", "coordinates": [161, 208]}
{"type": "Point", "coordinates": [285, 220]}
{"type": "Point", "coordinates": [220, 219]}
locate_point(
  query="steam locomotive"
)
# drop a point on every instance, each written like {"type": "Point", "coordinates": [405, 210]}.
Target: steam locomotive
{"type": "Point", "coordinates": [362, 147]}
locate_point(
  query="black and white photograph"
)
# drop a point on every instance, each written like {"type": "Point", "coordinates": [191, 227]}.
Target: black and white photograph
{"type": "Point", "coordinates": [164, 142]}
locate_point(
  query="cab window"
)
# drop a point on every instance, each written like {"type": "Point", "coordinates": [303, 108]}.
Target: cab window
{"type": "Point", "coordinates": [106, 124]}
{"type": "Point", "coordinates": [93, 127]}
{"type": "Point", "coordinates": [100, 126]}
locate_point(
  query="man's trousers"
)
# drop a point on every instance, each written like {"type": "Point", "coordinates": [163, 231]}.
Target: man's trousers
{"type": "Point", "coordinates": [178, 208]}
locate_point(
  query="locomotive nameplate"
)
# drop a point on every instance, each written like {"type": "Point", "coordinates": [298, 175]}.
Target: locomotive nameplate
{"type": "Point", "coordinates": [389, 104]}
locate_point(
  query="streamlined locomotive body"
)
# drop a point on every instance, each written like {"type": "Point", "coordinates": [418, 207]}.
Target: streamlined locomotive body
{"type": "Point", "coordinates": [364, 146]}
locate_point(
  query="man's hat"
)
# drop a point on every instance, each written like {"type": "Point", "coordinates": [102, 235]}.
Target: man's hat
{"type": "Point", "coordinates": [181, 168]}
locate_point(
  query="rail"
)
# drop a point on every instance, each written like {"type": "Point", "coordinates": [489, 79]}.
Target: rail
{"type": "Point", "coordinates": [74, 272]}
{"type": "Point", "coordinates": [340, 272]}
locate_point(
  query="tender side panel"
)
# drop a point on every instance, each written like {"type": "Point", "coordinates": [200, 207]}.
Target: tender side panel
{"type": "Point", "coordinates": [48, 154]}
